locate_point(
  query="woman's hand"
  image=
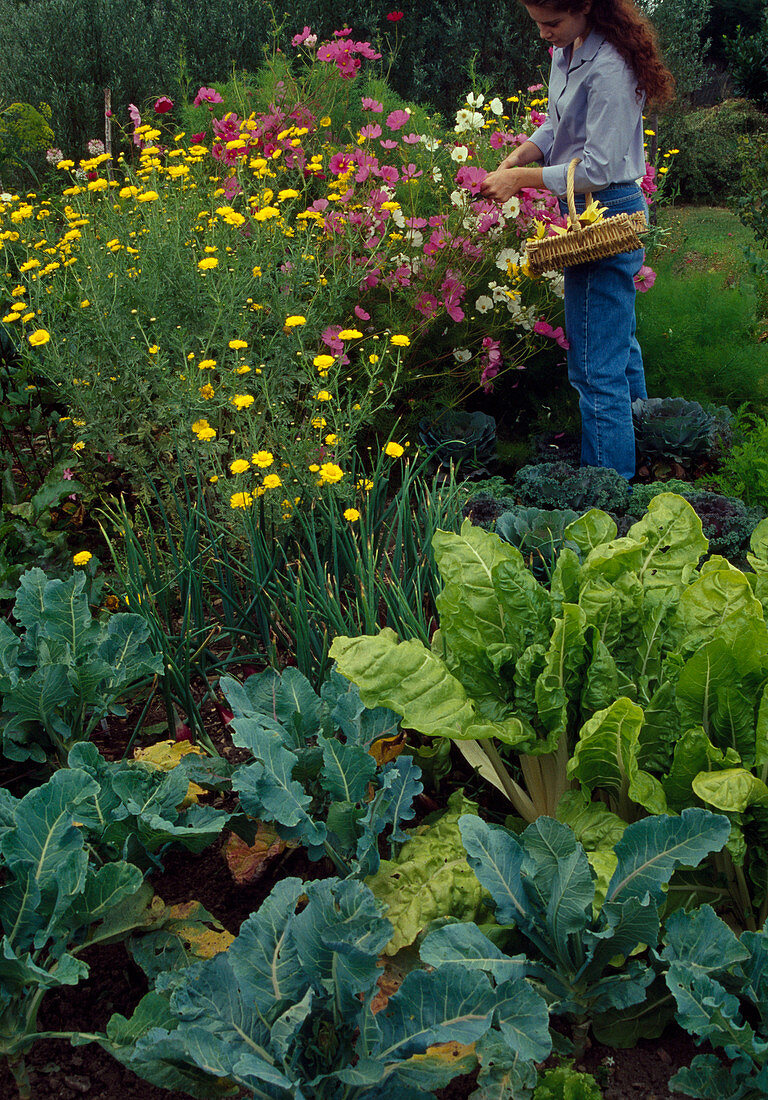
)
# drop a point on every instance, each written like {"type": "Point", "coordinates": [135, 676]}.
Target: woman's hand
{"type": "Point", "coordinates": [506, 182]}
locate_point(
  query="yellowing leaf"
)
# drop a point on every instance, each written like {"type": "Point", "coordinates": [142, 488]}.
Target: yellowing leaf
{"type": "Point", "coordinates": [387, 748]}
{"type": "Point", "coordinates": [165, 755]}
{"type": "Point", "coordinates": [248, 863]}
{"type": "Point", "coordinates": [202, 934]}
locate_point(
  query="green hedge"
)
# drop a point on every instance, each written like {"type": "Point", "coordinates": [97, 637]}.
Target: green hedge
{"type": "Point", "coordinates": [706, 168]}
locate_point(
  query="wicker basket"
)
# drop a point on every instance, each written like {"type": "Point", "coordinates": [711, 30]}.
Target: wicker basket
{"type": "Point", "coordinates": [584, 243]}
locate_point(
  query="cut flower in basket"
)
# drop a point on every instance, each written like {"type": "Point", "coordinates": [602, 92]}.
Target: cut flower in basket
{"type": "Point", "coordinates": [591, 215]}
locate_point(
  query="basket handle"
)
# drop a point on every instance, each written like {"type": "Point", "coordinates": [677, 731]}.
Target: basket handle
{"type": "Point", "coordinates": [575, 223]}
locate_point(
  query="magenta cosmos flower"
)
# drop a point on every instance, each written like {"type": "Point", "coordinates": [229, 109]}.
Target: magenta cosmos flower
{"type": "Point", "coordinates": [163, 105]}
{"type": "Point", "coordinates": [207, 95]}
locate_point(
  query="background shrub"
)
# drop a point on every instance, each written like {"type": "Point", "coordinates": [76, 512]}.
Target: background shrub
{"type": "Point", "coordinates": [707, 167]}
{"type": "Point", "coordinates": [69, 51]}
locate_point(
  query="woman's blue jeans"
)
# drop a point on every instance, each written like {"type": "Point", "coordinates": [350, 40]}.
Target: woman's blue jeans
{"type": "Point", "coordinates": [605, 364]}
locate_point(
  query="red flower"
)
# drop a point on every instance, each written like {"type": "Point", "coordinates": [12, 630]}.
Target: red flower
{"type": "Point", "coordinates": [163, 105]}
{"type": "Point", "coordinates": [395, 16]}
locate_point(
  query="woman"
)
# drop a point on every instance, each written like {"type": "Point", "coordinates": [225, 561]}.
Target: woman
{"type": "Point", "coordinates": [605, 66]}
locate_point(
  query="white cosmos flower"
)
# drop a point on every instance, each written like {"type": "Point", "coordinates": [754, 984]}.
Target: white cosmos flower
{"type": "Point", "coordinates": [430, 143]}
{"type": "Point", "coordinates": [460, 154]}
{"type": "Point", "coordinates": [497, 106]}
{"type": "Point", "coordinates": [505, 257]}
{"type": "Point", "coordinates": [398, 217]}
{"type": "Point", "coordinates": [437, 175]}
{"type": "Point", "coordinates": [484, 304]}
{"type": "Point", "coordinates": [511, 208]}
{"type": "Point", "coordinates": [475, 100]}
{"type": "Point", "coordinates": [415, 238]}
{"type": "Point", "coordinates": [462, 355]}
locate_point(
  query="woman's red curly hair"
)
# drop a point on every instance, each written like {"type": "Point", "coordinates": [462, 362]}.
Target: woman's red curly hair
{"type": "Point", "coordinates": [632, 34]}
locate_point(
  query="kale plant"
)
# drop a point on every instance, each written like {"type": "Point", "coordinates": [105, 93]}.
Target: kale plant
{"type": "Point", "coordinates": [558, 485]}
{"type": "Point", "coordinates": [727, 522]}
{"type": "Point", "coordinates": [314, 775]}
{"type": "Point", "coordinates": [538, 533]}
{"type": "Point", "coordinates": [542, 882]}
{"type": "Point", "coordinates": [720, 986]}
{"type": "Point", "coordinates": [466, 440]}
{"type": "Point", "coordinates": [64, 671]}
{"type": "Point", "coordinates": [292, 1010]}
{"type": "Point", "coordinates": [671, 429]}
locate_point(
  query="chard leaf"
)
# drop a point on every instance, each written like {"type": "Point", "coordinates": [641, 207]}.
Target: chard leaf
{"type": "Point", "coordinates": [464, 943]}
{"type": "Point", "coordinates": [673, 542]}
{"type": "Point", "coordinates": [590, 530]}
{"type": "Point", "coordinates": [650, 850]}
{"type": "Point", "coordinates": [758, 546]}
{"type": "Point", "coordinates": [472, 618]}
{"type": "Point", "coordinates": [718, 593]}
{"type": "Point", "coordinates": [605, 758]}
{"type": "Point", "coordinates": [412, 681]}
{"type": "Point", "coordinates": [732, 789]}
{"type": "Point", "coordinates": [694, 753]}
{"type": "Point", "coordinates": [451, 1004]}
{"type": "Point", "coordinates": [555, 687]}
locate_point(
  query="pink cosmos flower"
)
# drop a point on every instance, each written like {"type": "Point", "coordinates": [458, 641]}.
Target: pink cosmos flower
{"type": "Point", "coordinates": [388, 144]}
{"type": "Point", "coordinates": [361, 314]}
{"type": "Point", "coordinates": [369, 104]}
{"type": "Point", "coordinates": [207, 95]}
{"type": "Point", "coordinates": [344, 33]}
{"type": "Point", "coordinates": [470, 178]}
{"type": "Point", "coordinates": [428, 305]}
{"type": "Point", "coordinates": [535, 87]}
{"type": "Point", "coordinates": [397, 119]}
{"type": "Point", "coordinates": [543, 328]}
{"type": "Point", "coordinates": [301, 38]}
{"type": "Point", "coordinates": [197, 139]}
{"type": "Point", "coordinates": [395, 16]}
{"type": "Point", "coordinates": [373, 130]}
{"type": "Point", "coordinates": [499, 139]}
{"type": "Point", "coordinates": [645, 278]}
{"type": "Point", "coordinates": [163, 105]}
{"type": "Point", "coordinates": [412, 139]}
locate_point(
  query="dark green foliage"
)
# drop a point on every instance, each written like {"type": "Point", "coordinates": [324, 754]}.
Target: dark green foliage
{"type": "Point", "coordinates": [465, 440]}
{"type": "Point", "coordinates": [727, 522]}
{"type": "Point", "coordinates": [558, 485]}
{"type": "Point", "coordinates": [746, 57]}
{"type": "Point", "coordinates": [68, 51]}
{"type": "Point", "coordinates": [539, 534]}
{"type": "Point", "coordinates": [484, 510]}
{"type": "Point", "coordinates": [673, 429]}
{"type": "Point", "coordinates": [706, 167]}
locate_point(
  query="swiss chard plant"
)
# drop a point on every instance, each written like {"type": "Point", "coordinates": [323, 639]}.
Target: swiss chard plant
{"type": "Point", "coordinates": [64, 671]}
{"type": "Point", "coordinates": [293, 1010]}
{"type": "Point", "coordinates": [635, 682]}
{"type": "Point", "coordinates": [582, 946]}
{"type": "Point", "coordinates": [720, 986]}
{"type": "Point", "coordinates": [317, 773]}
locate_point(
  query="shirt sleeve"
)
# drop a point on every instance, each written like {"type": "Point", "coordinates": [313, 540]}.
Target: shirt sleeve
{"type": "Point", "coordinates": [613, 111]}
{"type": "Point", "coordinates": [544, 137]}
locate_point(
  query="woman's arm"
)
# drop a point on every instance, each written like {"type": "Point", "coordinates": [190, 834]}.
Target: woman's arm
{"type": "Point", "coordinates": [512, 174]}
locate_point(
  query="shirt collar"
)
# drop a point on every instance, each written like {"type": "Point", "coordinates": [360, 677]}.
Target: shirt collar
{"type": "Point", "coordinates": [587, 52]}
